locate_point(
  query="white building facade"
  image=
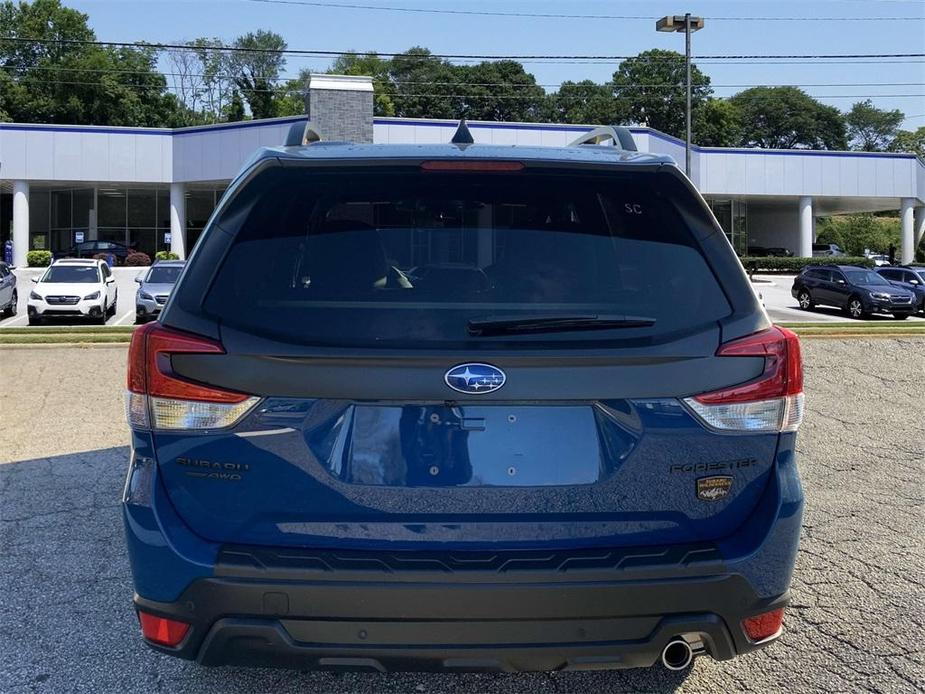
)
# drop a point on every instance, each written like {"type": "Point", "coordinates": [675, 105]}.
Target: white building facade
{"type": "Point", "coordinates": [154, 189]}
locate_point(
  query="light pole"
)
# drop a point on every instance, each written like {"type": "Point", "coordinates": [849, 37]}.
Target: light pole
{"type": "Point", "coordinates": [687, 24]}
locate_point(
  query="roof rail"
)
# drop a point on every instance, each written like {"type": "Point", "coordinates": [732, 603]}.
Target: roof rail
{"type": "Point", "coordinates": [302, 133]}
{"type": "Point", "coordinates": [620, 136]}
{"type": "Point", "coordinates": [462, 136]}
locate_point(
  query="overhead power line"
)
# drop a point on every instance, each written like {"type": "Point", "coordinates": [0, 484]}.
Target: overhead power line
{"type": "Point", "coordinates": [455, 95]}
{"type": "Point", "coordinates": [449, 56]}
{"type": "Point", "coordinates": [557, 15]}
{"type": "Point", "coordinates": [521, 85]}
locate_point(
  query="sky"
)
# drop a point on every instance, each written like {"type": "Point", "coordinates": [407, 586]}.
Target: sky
{"type": "Point", "coordinates": [752, 27]}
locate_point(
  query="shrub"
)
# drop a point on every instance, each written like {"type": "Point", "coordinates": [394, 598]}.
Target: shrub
{"type": "Point", "coordinates": [38, 258]}
{"type": "Point", "coordinates": [137, 259]}
{"type": "Point", "coordinates": [102, 256]}
{"type": "Point", "coordinates": [166, 255]}
{"type": "Point", "coordinates": [795, 265]}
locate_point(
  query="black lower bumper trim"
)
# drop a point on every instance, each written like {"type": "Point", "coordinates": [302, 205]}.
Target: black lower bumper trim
{"type": "Point", "coordinates": [267, 643]}
{"type": "Point", "coordinates": [387, 623]}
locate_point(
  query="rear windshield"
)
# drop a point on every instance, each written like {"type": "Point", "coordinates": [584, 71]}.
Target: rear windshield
{"type": "Point", "coordinates": [408, 259]}
{"type": "Point", "coordinates": [72, 274]}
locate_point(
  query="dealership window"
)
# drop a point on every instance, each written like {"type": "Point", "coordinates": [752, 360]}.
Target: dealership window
{"type": "Point", "coordinates": [199, 205]}
{"type": "Point", "coordinates": [136, 217]}
{"type": "Point", "coordinates": [732, 216]}
{"type": "Point", "coordinates": [39, 218]}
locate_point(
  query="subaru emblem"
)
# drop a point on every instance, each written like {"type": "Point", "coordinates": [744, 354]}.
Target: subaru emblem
{"type": "Point", "coordinates": [475, 378]}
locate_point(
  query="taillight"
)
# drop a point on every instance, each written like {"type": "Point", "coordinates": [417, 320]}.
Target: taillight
{"type": "Point", "coordinates": [765, 625]}
{"type": "Point", "coordinates": [773, 402]}
{"type": "Point", "coordinates": [160, 399]}
{"type": "Point", "coordinates": [162, 631]}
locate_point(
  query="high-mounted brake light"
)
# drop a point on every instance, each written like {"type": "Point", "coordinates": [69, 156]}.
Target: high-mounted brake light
{"type": "Point", "coordinates": [161, 399]}
{"type": "Point", "coordinates": [162, 631]}
{"type": "Point", "coordinates": [773, 401]}
{"type": "Point", "coordinates": [487, 165]}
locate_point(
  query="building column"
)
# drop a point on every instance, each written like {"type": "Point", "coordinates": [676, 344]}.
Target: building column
{"type": "Point", "coordinates": [20, 222]}
{"type": "Point", "coordinates": [178, 219]}
{"type": "Point", "coordinates": [905, 228]}
{"type": "Point", "coordinates": [806, 227]}
{"type": "Point", "coordinates": [918, 227]}
{"type": "Point", "coordinates": [93, 220]}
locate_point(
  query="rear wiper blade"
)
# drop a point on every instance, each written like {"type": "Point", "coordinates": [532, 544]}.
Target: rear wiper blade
{"type": "Point", "coordinates": [508, 325]}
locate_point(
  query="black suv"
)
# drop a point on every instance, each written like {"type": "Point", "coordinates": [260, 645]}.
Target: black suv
{"type": "Point", "coordinates": [857, 290]}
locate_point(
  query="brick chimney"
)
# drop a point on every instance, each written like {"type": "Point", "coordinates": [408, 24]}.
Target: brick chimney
{"type": "Point", "coordinates": [341, 107]}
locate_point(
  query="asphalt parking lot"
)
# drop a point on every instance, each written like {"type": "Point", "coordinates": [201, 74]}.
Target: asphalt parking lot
{"type": "Point", "coordinates": [857, 621]}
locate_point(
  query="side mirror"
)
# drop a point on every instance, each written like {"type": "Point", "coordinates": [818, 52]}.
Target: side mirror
{"type": "Point", "coordinates": [914, 282]}
{"type": "Point", "coordinates": [35, 280]}
{"type": "Point", "coordinates": [138, 279]}
{"type": "Point", "coordinates": [110, 280]}
{"type": "Point", "coordinates": [840, 281]}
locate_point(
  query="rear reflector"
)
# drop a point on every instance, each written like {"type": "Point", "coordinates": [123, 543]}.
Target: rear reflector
{"type": "Point", "coordinates": [158, 398]}
{"type": "Point", "coordinates": [773, 402]}
{"type": "Point", "coordinates": [486, 165]}
{"type": "Point", "coordinates": [162, 631]}
{"type": "Point", "coordinates": [763, 626]}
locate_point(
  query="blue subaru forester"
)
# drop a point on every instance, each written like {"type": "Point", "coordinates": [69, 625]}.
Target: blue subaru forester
{"type": "Point", "coordinates": [462, 407]}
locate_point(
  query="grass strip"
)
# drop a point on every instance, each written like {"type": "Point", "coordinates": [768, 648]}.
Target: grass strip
{"type": "Point", "coordinates": [6, 338]}
{"type": "Point", "coordinates": [89, 329]}
{"type": "Point", "coordinates": [854, 324]}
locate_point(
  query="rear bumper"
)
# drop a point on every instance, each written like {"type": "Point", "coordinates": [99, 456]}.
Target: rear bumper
{"type": "Point", "coordinates": [493, 609]}
{"type": "Point", "coordinates": [453, 624]}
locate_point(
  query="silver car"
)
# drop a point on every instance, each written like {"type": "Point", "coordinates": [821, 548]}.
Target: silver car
{"type": "Point", "coordinates": [154, 287]}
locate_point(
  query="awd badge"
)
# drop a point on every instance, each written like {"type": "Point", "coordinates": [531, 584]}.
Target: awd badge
{"type": "Point", "coordinates": [713, 488]}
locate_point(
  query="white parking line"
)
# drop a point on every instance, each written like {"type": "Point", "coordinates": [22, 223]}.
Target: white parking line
{"type": "Point", "coordinates": [128, 314]}
{"type": "Point", "coordinates": [18, 320]}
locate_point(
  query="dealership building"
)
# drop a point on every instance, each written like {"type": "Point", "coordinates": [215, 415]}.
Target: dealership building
{"type": "Point", "coordinates": [154, 188]}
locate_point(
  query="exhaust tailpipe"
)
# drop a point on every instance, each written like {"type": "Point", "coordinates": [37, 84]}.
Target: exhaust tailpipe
{"type": "Point", "coordinates": [677, 655]}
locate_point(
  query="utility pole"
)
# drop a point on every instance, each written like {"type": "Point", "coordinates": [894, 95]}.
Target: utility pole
{"type": "Point", "coordinates": [688, 25]}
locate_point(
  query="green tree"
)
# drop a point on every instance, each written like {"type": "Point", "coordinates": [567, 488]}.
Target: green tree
{"type": "Point", "coordinates": [788, 118]}
{"type": "Point", "coordinates": [292, 97]}
{"type": "Point", "coordinates": [52, 80]}
{"type": "Point", "coordinates": [425, 86]}
{"type": "Point", "coordinates": [857, 233]}
{"type": "Point", "coordinates": [371, 65]}
{"type": "Point", "coordinates": [871, 129]}
{"type": "Point", "coordinates": [652, 88]}
{"type": "Point", "coordinates": [910, 141]}
{"type": "Point", "coordinates": [256, 65]}
{"type": "Point", "coordinates": [717, 123]}
{"type": "Point", "coordinates": [498, 91]}
{"type": "Point", "coordinates": [234, 111]}
{"type": "Point", "coordinates": [584, 102]}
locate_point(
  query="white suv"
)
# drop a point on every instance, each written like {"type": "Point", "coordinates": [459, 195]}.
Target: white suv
{"type": "Point", "coordinates": [74, 288]}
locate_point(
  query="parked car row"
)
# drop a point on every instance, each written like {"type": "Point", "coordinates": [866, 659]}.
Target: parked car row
{"type": "Point", "coordinates": [861, 292]}
{"type": "Point", "coordinates": [86, 288]}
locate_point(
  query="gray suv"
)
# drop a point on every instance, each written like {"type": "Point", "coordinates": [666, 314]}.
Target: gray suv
{"type": "Point", "coordinates": [154, 287]}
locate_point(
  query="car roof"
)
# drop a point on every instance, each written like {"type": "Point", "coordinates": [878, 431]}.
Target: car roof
{"type": "Point", "coordinates": [77, 261]}
{"type": "Point", "coordinates": [590, 154]}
